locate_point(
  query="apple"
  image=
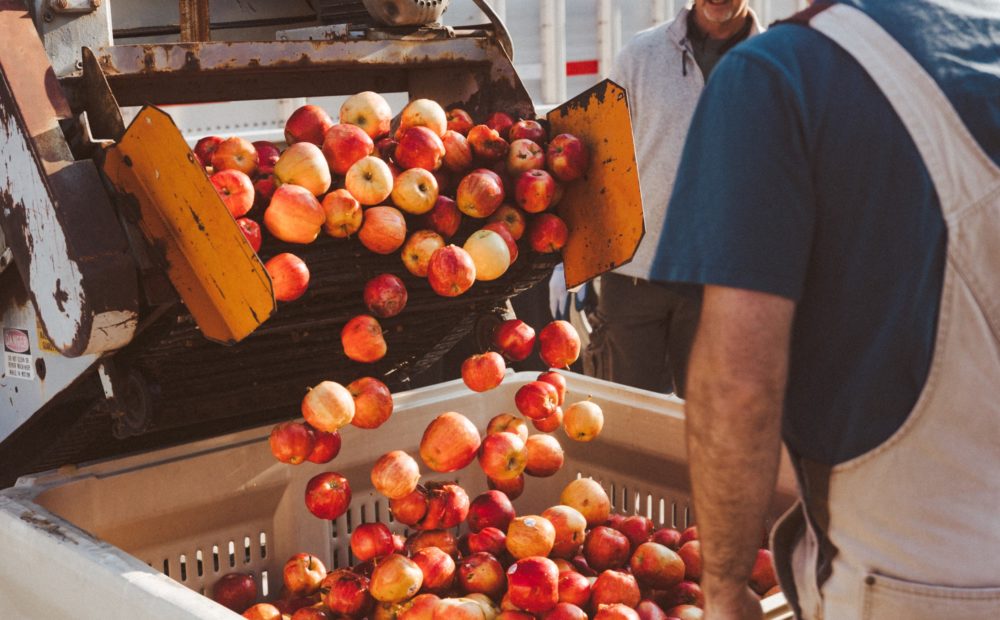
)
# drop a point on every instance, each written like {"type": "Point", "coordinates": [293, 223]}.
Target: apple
{"type": "Point", "coordinates": [617, 611]}
{"type": "Point", "coordinates": [449, 442]}
{"type": "Point", "coordinates": [262, 611]}
{"type": "Point", "coordinates": [385, 148]}
{"type": "Point", "coordinates": [487, 144]}
{"type": "Point", "coordinates": [235, 154]}
{"type": "Point", "coordinates": [480, 193]}
{"type": "Point", "coordinates": [419, 147]}
{"type": "Point", "coordinates": [237, 591]}
{"type": "Point", "coordinates": [511, 488]}
{"type": "Point", "coordinates": [444, 218]}
{"type": "Point", "coordinates": [442, 539]}
{"type": "Point", "coordinates": [615, 521]}
{"type": "Point", "coordinates": [294, 215]}
{"type": "Point", "coordinates": [372, 402]}
{"type": "Point", "coordinates": [369, 111]}
{"type": "Point", "coordinates": [583, 421]}
{"type": "Point", "coordinates": [512, 218]}
{"type": "Point", "coordinates": [303, 164]}
{"type": "Point", "coordinates": [418, 249]}
{"type": "Point", "coordinates": [343, 214]}
{"type": "Point", "coordinates": [264, 188]}
{"type": "Point", "coordinates": [451, 271]}
{"type": "Point", "coordinates": [545, 456]}
{"type": "Point", "coordinates": [458, 609]}
{"type": "Point", "coordinates": [685, 612]}
{"type": "Point", "coordinates": [250, 230]}
{"type": "Point", "coordinates": [668, 537]}
{"type": "Point", "coordinates": [528, 130]}
{"type": "Point", "coordinates": [763, 577]}
{"type": "Point", "coordinates": [384, 230]}
{"type": "Point", "coordinates": [395, 579]}
{"type": "Point", "coordinates": [447, 506]}
{"type": "Point", "coordinates": [309, 613]}
{"type": "Point", "coordinates": [507, 422]}
{"type": "Point", "coordinates": [550, 422]}
{"type": "Point", "coordinates": [459, 120]}
{"type": "Point", "coordinates": [369, 180]}
{"type": "Point", "coordinates": [690, 553]}
{"type": "Point", "coordinates": [567, 157]}
{"type": "Point", "coordinates": [637, 528]}
{"type": "Point", "coordinates": [483, 371]}
{"type": "Point", "coordinates": [204, 148]}
{"type": "Point", "coordinates": [481, 573]}
{"type": "Point", "coordinates": [457, 152]}
{"type": "Point", "coordinates": [308, 123]}
{"type": "Point", "coordinates": [605, 548]}
{"type": "Point", "coordinates": [303, 573]}
{"type": "Point", "coordinates": [648, 610]}
{"type": "Point", "coordinates": [502, 456]}
{"type": "Point", "coordinates": [533, 584]}
{"type": "Point", "coordinates": [502, 230]}
{"type": "Point", "coordinates": [289, 276]}
{"type": "Point", "coordinates": [559, 344]}
{"type": "Point", "coordinates": [490, 509]}
{"type": "Point", "coordinates": [557, 380]}
{"type": "Point", "coordinates": [515, 339]}
{"type": "Point", "coordinates": [656, 566]}
{"type": "Point", "coordinates": [424, 113]}
{"type": "Point", "coordinates": [614, 586]}
{"type": "Point", "coordinates": [530, 535]}
{"type": "Point", "coordinates": [291, 442]}
{"type": "Point", "coordinates": [689, 533]}
{"type": "Point", "coordinates": [533, 190]}
{"type": "Point", "coordinates": [524, 155]}
{"type": "Point", "coordinates": [326, 447]}
{"type": "Point", "coordinates": [346, 592]}
{"type": "Point", "coordinates": [267, 155]}
{"type": "Point", "coordinates": [574, 588]}
{"type": "Point", "coordinates": [536, 399]}
{"type": "Point", "coordinates": [362, 339]}
{"type": "Point", "coordinates": [511, 614]}
{"type": "Point", "coordinates": [420, 607]}
{"type": "Point", "coordinates": [415, 191]}
{"type": "Point", "coordinates": [438, 569]}
{"type": "Point", "coordinates": [328, 406]}
{"type": "Point", "coordinates": [489, 540]}
{"type": "Point", "coordinates": [235, 189]}
{"type": "Point", "coordinates": [547, 233]}
{"type": "Point", "coordinates": [564, 611]}
{"type": "Point", "coordinates": [563, 564]}
{"type": "Point", "coordinates": [328, 495]}
{"type": "Point", "coordinates": [395, 474]}
{"type": "Point", "coordinates": [345, 144]}
{"type": "Point", "coordinates": [385, 295]}
{"type": "Point", "coordinates": [570, 530]}
{"type": "Point", "coordinates": [489, 253]}
{"type": "Point", "coordinates": [587, 496]}
{"type": "Point", "coordinates": [410, 510]}
{"type": "Point", "coordinates": [501, 122]}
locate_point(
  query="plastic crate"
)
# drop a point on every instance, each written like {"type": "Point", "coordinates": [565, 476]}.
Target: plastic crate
{"type": "Point", "coordinates": [123, 538]}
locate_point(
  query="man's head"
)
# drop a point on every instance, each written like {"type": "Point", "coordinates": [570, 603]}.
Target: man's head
{"type": "Point", "coordinates": [720, 19]}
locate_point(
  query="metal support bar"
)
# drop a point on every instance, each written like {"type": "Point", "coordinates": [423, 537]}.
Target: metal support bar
{"type": "Point", "coordinates": [194, 18]}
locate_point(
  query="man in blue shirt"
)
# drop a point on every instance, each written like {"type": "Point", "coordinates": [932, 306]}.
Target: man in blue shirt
{"type": "Point", "coordinates": [804, 206]}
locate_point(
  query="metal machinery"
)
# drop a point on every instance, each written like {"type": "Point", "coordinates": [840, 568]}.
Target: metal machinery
{"type": "Point", "coordinates": [120, 270]}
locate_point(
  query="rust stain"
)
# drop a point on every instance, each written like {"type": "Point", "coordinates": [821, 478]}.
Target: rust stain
{"type": "Point", "coordinates": [46, 526]}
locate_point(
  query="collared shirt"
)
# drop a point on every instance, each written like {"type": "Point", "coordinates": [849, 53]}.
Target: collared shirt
{"type": "Point", "coordinates": [708, 51]}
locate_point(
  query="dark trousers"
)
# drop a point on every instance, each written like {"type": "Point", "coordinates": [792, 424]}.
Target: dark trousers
{"type": "Point", "coordinates": [642, 333]}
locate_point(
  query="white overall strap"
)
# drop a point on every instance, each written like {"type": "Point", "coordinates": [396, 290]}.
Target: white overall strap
{"type": "Point", "coordinates": [961, 172]}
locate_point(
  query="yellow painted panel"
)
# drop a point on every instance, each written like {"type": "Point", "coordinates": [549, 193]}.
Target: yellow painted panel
{"type": "Point", "coordinates": [216, 272]}
{"type": "Point", "coordinates": [603, 211]}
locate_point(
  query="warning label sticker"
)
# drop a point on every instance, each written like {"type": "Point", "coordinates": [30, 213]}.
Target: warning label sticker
{"type": "Point", "coordinates": [17, 354]}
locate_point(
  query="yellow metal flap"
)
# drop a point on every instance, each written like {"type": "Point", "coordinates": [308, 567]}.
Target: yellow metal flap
{"type": "Point", "coordinates": [603, 211]}
{"type": "Point", "coordinates": [208, 260]}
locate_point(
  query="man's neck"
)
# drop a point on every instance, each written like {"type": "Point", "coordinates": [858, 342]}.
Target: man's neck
{"type": "Point", "coordinates": [720, 30]}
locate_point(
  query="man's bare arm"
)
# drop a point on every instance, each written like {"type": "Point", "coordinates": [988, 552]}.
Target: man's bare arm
{"type": "Point", "coordinates": [735, 390]}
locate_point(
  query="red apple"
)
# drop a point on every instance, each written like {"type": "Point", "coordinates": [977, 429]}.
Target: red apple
{"type": "Point", "coordinates": [325, 448]}
{"type": "Point", "coordinates": [264, 189]}
{"type": "Point", "coordinates": [250, 230]}
{"type": "Point", "coordinates": [410, 510]}
{"type": "Point", "coordinates": [530, 535]}
{"type": "Point", "coordinates": [550, 422]}
{"type": "Point", "coordinates": [524, 155]}
{"type": "Point", "coordinates": [574, 588]}
{"type": "Point", "coordinates": [291, 442]}
{"type": "Point", "coordinates": [451, 271]}
{"type": "Point", "coordinates": [385, 295]}
{"type": "Point", "coordinates": [303, 573]}
{"type": "Point", "coordinates": [328, 495]}
{"type": "Point", "coordinates": [616, 611]}
{"type": "Point", "coordinates": [479, 193]}
{"type": "Point", "coordinates": [501, 122]}
{"type": "Point", "coordinates": [309, 123]}
{"type": "Point", "coordinates": [415, 191]}
{"type": "Point", "coordinates": [424, 113]}
{"type": "Point", "coordinates": [383, 231]}
{"type": "Point", "coordinates": [504, 232]}
{"type": "Point", "coordinates": [449, 442]}
{"type": "Point", "coordinates": [614, 586]}
{"type": "Point", "coordinates": [385, 149]}
{"type": "Point", "coordinates": [369, 180]}
{"type": "Point", "coordinates": [459, 120]}
{"type": "Point", "coordinates": [343, 212]}
{"type": "Point", "coordinates": [512, 218]}
{"type": "Point", "coordinates": [570, 527]}
{"type": "Point", "coordinates": [346, 592]}
{"type": "Point", "coordinates": [606, 548]}
{"type": "Point", "coordinates": [668, 537]}
{"type": "Point", "coordinates": [564, 611]}
{"type": "Point", "coordinates": [395, 579]}
{"type": "Point", "coordinates": [763, 577]}
{"type": "Point", "coordinates": [533, 584]}
{"type": "Point", "coordinates": [490, 509]}
{"type": "Point", "coordinates": [420, 607]}
{"type": "Point", "coordinates": [567, 157]}
{"type": "Point", "coordinates": [656, 566]}
{"type": "Point", "coordinates": [235, 189]}
{"type": "Point", "coordinates": [303, 164]}
{"type": "Point", "coordinates": [419, 147]}
{"type": "Point", "coordinates": [362, 339]}
{"type": "Point", "coordinates": [442, 539]}
{"type": "Point", "coordinates": [204, 148]}
{"type": "Point", "coordinates": [395, 474]}
{"type": "Point", "coordinates": [457, 152]}
{"type": "Point", "coordinates": [637, 528]}
{"type": "Point", "coordinates": [690, 553]}
{"type": "Point", "coordinates": [447, 506]}
{"type": "Point", "coordinates": [684, 593]}
{"type": "Point", "coordinates": [487, 144]}
{"type": "Point", "coordinates": [483, 371]}
{"type": "Point", "coordinates": [309, 613]}
{"type": "Point", "coordinates": [418, 249]}
{"type": "Point", "coordinates": [237, 591]}
{"type": "Point", "coordinates": [481, 573]}
{"type": "Point", "coordinates": [371, 540]}
{"type": "Point", "coordinates": [685, 612]}
{"type": "Point", "coordinates": [438, 569]}
{"type": "Point", "coordinates": [557, 380]}
{"type": "Point", "coordinates": [490, 254]}
{"type": "Point", "coordinates": [587, 496]}
{"type": "Point", "coordinates": [488, 540]}
{"type": "Point", "coordinates": [547, 233]}
{"type": "Point", "coordinates": [536, 399]}
{"type": "Point", "coordinates": [369, 111]}
{"type": "Point", "coordinates": [372, 402]}
{"type": "Point", "coordinates": [533, 191]}
{"type": "Point", "coordinates": [528, 130]}
{"type": "Point", "coordinates": [294, 215]}
{"type": "Point", "coordinates": [458, 609]}
{"type": "Point", "coordinates": [502, 456]}
{"type": "Point", "coordinates": [545, 456]}
{"type": "Point", "coordinates": [289, 276]}
{"type": "Point", "coordinates": [267, 155]}
{"type": "Point", "coordinates": [262, 611]}
{"type": "Point", "coordinates": [511, 488]}
{"type": "Point", "coordinates": [648, 610]}
{"type": "Point", "coordinates": [235, 154]}
{"type": "Point", "coordinates": [344, 144]}
{"type": "Point", "coordinates": [444, 218]}
{"type": "Point", "coordinates": [689, 533]}
{"type": "Point", "coordinates": [509, 423]}
{"type": "Point", "coordinates": [583, 420]}
{"type": "Point", "coordinates": [515, 339]}
{"type": "Point", "coordinates": [328, 406]}
{"type": "Point", "coordinates": [559, 344]}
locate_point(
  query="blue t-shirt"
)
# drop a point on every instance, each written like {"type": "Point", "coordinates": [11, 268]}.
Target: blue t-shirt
{"type": "Point", "coordinates": [798, 179]}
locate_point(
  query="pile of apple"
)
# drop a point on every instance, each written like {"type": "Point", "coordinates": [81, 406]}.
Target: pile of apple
{"type": "Point", "coordinates": [405, 191]}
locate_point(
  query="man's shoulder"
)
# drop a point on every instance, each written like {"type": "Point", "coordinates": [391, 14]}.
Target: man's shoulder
{"type": "Point", "coordinates": [656, 37]}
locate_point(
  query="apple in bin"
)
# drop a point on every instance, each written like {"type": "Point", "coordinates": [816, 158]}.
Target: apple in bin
{"type": "Point", "coordinates": [550, 422]}
{"type": "Point", "coordinates": [372, 402]}
{"type": "Point", "coordinates": [294, 215]}
{"type": "Point", "coordinates": [685, 612]}
{"type": "Point", "coordinates": [438, 569]}
{"type": "Point", "coordinates": [490, 509]}
{"type": "Point", "coordinates": [418, 249]}
{"type": "Point", "coordinates": [236, 191]}
{"type": "Point", "coordinates": [530, 535]}
{"type": "Point", "coordinates": [536, 399]}
{"type": "Point", "coordinates": [415, 191]}
{"type": "Point", "coordinates": [524, 155]}
{"type": "Point", "coordinates": [289, 276]}
{"type": "Point", "coordinates": [459, 120]}
{"type": "Point", "coordinates": [442, 539]}
{"type": "Point", "coordinates": [533, 584]}
{"type": "Point", "coordinates": [480, 193]}
{"type": "Point", "coordinates": [458, 609]}
{"type": "Point", "coordinates": [328, 406]}
{"type": "Point", "coordinates": [545, 456]}
{"type": "Point", "coordinates": [383, 231]}
{"type": "Point", "coordinates": [565, 611]}
{"type": "Point", "coordinates": [533, 190]}
{"type": "Point", "coordinates": [616, 611]}
{"type": "Point", "coordinates": [570, 527]}
{"type": "Point", "coordinates": [237, 591]}
{"type": "Point", "coordinates": [309, 613]}
{"type": "Point", "coordinates": [303, 164]}
{"type": "Point", "coordinates": [457, 152]}
{"type": "Point", "coordinates": [344, 144]}
{"type": "Point", "coordinates": [515, 339]}
{"type": "Point", "coordinates": [371, 540]}
{"type": "Point", "coordinates": [502, 230]}
{"type": "Point", "coordinates": [449, 442]}
{"type": "Point", "coordinates": [395, 579]}
{"type": "Point", "coordinates": [567, 157]}
{"type": "Point", "coordinates": [547, 233]}
{"type": "Point", "coordinates": [689, 533]}
{"type": "Point", "coordinates": [483, 371]}
{"type": "Point", "coordinates": [291, 442]}
{"type": "Point", "coordinates": [250, 230]}
{"type": "Point", "coordinates": [420, 607]}
{"type": "Point", "coordinates": [501, 122]}
{"type": "Point", "coordinates": [613, 586]}
{"type": "Point", "coordinates": [487, 144]}
{"type": "Point", "coordinates": [444, 218]}
{"type": "Point", "coordinates": [763, 576]}
{"type": "Point", "coordinates": [205, 147]}
{"type": "Point", "coordinates": [385, 295]}
{"type": "Point", "coordinates": [648, 610]}
{"type": "Point", "coordinates": [267, 155]}
{"type": "Point", "coordinates": [502, 456]}
{"type": "Point", "coordinates": [343, 212]}
{"type": "Point", "coordinates": [235, 154]}
{"type": "Point", "coordinates": [447, 506]}
{"type": "Point", "coordinates": [656, 566]}
{"type": "Point", "coordinates": [346, 592]}
{"type": "Point", "coordinates": [328, 495]}
{"type": "Point", "coordinates": [424, 113]}
{"type": "Point", "coordinates": [395, 474]}
{"type": "Point", "coordinates": [325, 448]}
{"type": "Point", "coordinates": [419, 147]}
{"type": "Point", "coordinates": [588, 497]}
{"type": "Point", "coordinates": [690, 553]}
{"type": "Point", "coordinates": [369, 180]}
{"type": "Point", "coordinates": [450, 271]}
{"type": "Point", "coordinates": [264, 188]}
{"type": "Point", "coordinates": [512, 218]}
{"type": "Point", "coordinates": [559, 344]}
{"type": "Point", "coordinates": [369, 111]}
{"type": "Point", "coordinates": [507, 422]}
{"type": "Point", "coordinates": [637, 528]}
{"type": "Point", "coordinates": [303, 573]}
{"type": "Point", "coordinates": [481, 573]}
{"type": "Point", "coordinates": [410, 510]}
{"type": "Point", "coordinates": [490, 254]}
{"type": "Point", "coordinates": [557, 380]}
{"type": "Point", "coordinates": [308, 123]}
{"type": "Point", "coordinates": [511, 488]}
{"type": "Point", "coordinates": [583, 421]}
{"type": "Point", "coordinates": [605, 548]}
{"type": "Point", "coordinates": [528, 130]}
{"type": "Point", "coordinates": [574, 588]}
{"type": "Point", "coordinates": [668, 537]}
{"type": "Point", "coordinates": [489, 540]}
{"type": "Point", "coordinates": [262, 611]}
{"type": "Point", "coordinates": [362, 339]}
